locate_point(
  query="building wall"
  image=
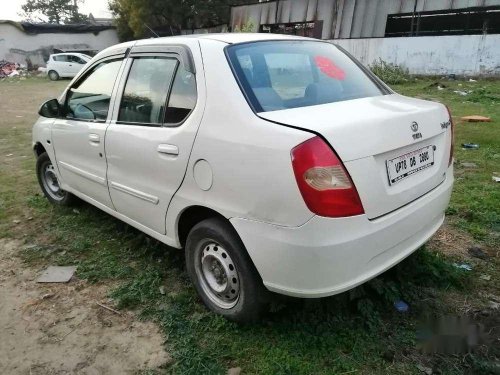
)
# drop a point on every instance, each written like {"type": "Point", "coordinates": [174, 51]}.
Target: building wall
{"type": "Point", "coordinates": [341, 18]}
{"type": "Point", "coordinates": [469, 55]}
{"type": "Point", "coordinates": [20, 47]}
{"type": "Point", "coordinates": [285, 11]}
{"type": "Point", "coordinates": [368, 18]}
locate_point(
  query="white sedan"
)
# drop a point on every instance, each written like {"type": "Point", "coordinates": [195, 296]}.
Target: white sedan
{"type": "Point", "coordinates": [65, 65]}
{"type": "Point", "coordinates": [278, 163]}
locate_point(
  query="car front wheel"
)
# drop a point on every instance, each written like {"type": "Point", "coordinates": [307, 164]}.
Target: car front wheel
{"type": "Point", "coordinates": [223, 273]}
{"type": "Point", "coordinates": [47, 178]}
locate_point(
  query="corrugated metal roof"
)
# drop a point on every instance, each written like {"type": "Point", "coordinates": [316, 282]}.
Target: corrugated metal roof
{"type": "Point", "coordinates": [50, 28]}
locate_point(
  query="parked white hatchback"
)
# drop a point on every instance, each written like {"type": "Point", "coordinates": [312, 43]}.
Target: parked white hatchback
{"type": "Point", "coordinates": [278, 163]}
{"type": "Point", "coordinates": [66, 65]}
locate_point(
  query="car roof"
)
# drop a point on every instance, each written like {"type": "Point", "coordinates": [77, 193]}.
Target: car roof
{"type": "Point", "coordinates": [228, 38]}
{"type": "Point", "coordinates": [232, 38]}
{"type": "Point", "coordinates": [69, 53]}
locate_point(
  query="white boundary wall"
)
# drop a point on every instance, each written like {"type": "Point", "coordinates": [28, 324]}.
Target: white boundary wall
{"type": "Point", "coordinates": [18, 46]}
{"type": "Point", "coordinates": [469, 55]}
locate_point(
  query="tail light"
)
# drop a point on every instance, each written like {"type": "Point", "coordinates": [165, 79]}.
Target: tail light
{"type": "Point", "coordinates": [323, 181]}
{"type": "Point", "coordinates": [452, 130]}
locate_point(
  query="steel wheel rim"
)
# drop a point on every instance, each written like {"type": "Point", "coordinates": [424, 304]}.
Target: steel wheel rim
{"type": "Point", "coordinates": [51, 183]}
{"type": "Point", "coordinates": [53, 76]}
{"type": "Point", "coordinates": [218, 275]}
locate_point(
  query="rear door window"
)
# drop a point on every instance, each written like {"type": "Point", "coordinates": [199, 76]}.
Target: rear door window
{"type": "Point", "coordinates": [277, 75]}
{"type": "Point", "coordinates": [61, 58]}
{"type": "Point", "coordinates": [182, 99]}
{"type": "Point", "coordinates": [145, 95]}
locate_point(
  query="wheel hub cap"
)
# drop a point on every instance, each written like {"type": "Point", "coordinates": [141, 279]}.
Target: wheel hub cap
{"type": "Point", "coordinates": [51, 182]}
{"type": "Point", "coordinates": [219, 279]}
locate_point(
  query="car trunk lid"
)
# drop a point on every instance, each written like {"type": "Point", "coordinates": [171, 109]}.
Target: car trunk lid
{"type": "Point", "coordinates": [370, 133]}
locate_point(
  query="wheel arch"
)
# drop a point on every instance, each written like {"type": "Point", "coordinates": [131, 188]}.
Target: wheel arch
{"type": "Point", "coordinates": [38, 149]}
{"type": "Point", "coordinates": [193, 215]}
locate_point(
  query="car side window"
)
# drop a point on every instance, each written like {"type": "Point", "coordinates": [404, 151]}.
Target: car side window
{"type": "Point", "coordinates": [89, 99]}
{"type": "Point", "coordinates": [146, 90]}
{"type": "Point", "coordinates": [76, 59]}
{"type": "Point", "coordinates": [182, 97]}
{"type": "Point", "coordinates": [61, 58]}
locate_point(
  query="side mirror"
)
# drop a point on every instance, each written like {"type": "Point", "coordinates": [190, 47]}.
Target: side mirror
{"type": "Point", "coordinates": [50, 109]}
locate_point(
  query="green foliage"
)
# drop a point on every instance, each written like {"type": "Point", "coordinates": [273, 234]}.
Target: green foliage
{"type": "Point", "coordinates": [389, 73]}
{"type": "Point", "coordinates": [134, 17]}
{"type": "Point", "coordinates": [55, 11]}
{"type": "Point", "coordinates": [246, 28]}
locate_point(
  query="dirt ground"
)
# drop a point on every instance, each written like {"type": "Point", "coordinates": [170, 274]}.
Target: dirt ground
{"type": "Point", "coordinates": [60, 329]}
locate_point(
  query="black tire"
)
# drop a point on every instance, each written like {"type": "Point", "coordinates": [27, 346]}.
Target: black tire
{"type": "Point", "coordinates": [252, 296]}
{"type": "Point", "coordinates": [56, 197]}
{"type": "Point", "coordinates": [53, 75]}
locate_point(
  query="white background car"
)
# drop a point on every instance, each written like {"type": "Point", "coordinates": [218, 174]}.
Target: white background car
{"type": "Point", "coordinates": [278, 163]}
{"type": "Point", "coordinates": [65, 65]}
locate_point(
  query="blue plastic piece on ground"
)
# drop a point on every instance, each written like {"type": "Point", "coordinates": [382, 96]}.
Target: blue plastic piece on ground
{"type": "Point", "coordinates": [470, 145]}
{"type": "Point", "coordinates": [401, 306]}
{"type": "Point", "coordinates": [463, 266]}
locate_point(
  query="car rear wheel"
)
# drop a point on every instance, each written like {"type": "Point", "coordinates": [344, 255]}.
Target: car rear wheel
{"type": "Point", "coordinates": [223, 273]}
{"type": "Point", "coordinates": [53, 75]}
{"type": "Point", "coordinates": [47, 178]}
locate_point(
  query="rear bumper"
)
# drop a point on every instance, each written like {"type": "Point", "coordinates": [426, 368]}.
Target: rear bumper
{"type": "Point", "coordinates": [328, 256]}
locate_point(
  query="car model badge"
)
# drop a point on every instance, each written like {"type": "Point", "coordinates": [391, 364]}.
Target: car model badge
{"type": "Point", "coordinates": [416, 134]}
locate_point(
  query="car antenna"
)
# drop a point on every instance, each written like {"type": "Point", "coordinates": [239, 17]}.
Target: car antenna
{"type": "Point", "coordinates": [152, 31]}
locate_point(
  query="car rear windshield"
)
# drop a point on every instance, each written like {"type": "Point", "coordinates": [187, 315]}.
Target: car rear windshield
{"type": "Point", "coordinates": [277, 75]}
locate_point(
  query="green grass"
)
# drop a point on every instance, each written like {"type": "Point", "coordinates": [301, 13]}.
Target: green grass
{"type": "Point", "coordinates": [350, 332]}
{"type": "Point", "coordinates": [475, 205]}
{"type": "Point", "coordinates": [355, 332]}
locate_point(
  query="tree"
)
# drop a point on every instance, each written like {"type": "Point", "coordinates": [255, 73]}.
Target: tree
{"type": "Point", "coordinates": [53, 11]}
{"type": "Point", "coordinates": [133, 18]}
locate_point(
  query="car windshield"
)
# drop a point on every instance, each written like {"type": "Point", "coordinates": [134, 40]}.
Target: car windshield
{"type": "Point", "coordinates": [277, 75]}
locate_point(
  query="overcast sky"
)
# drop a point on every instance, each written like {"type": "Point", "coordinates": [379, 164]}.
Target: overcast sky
{"type": "Point", "coordinates": [9, 9]}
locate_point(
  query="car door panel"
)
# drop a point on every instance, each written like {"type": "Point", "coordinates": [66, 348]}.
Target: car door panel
{"type": "Point", "coordinates": [79, 158]}
{"type": "Point", "coordinates": [79, 137]}
{"type": "Point", "coordinates": [62, 65]}
{"type": "Point", "coordinates": [143, 179]}
{"type": "Point", "coordinates": [75, 64]}
{"type": "Point", "coordinates": [147, 163]}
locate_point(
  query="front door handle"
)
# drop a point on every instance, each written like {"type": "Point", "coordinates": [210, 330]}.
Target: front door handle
{"type": "Point", "coordinates": [168, 149]}
{"type": "Point", "coordinates": [94, 138]}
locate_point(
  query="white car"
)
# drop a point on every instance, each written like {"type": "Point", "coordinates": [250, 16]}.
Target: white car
{"type": "Point", "coordinates": [278, 163]}
{"type": "Point", "coordinates": [66, 65]}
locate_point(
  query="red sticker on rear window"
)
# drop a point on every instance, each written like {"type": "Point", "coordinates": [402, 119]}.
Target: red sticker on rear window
{"type": "Point", "coordinates": [329, 68]}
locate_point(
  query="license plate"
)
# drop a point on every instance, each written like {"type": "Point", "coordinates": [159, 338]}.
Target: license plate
{"type": "Point", "coordinates": [405, 165]}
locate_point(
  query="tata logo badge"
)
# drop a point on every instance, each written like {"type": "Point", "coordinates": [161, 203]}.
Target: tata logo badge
{"type": "Point", "coordinates": [414, 128]}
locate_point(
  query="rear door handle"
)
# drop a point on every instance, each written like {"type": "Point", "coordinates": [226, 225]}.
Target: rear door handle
{"type": "Point", "coordinates": [94, 138]}
{"type": "Point", "coordinates": [168, 149]}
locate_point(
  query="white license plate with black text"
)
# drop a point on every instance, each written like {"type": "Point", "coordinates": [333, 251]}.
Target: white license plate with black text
{"type": "Point", "coordinates": [405, 165]}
